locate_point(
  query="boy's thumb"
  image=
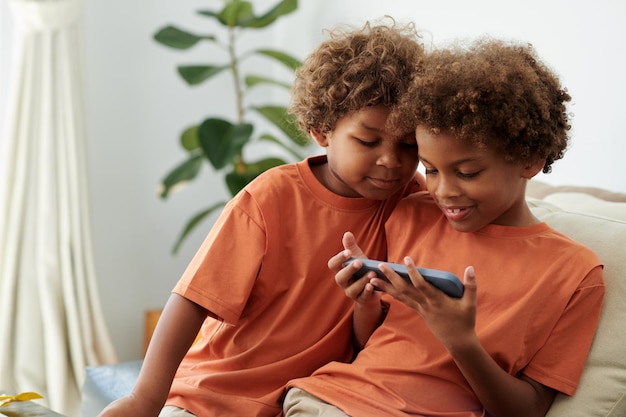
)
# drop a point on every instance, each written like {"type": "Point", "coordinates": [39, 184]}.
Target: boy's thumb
{"type": "Point", "coordinates": [349, 242]}
{"type": "Point", "coordinates": [469, 279]}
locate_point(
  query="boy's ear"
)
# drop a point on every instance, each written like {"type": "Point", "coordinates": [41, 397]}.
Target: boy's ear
{"type": "Point", "coordinates": [319, 137]}
{"type": "Point", "coordinates": [533, 168]}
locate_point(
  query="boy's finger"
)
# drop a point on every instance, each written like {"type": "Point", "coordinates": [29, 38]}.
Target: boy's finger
{"type": "Point", "coordinates": [469, 279]}
{"type": "Point", "coordinates": [394, 279]}
{"type": "Point", "coordinates": [336, 262]}
{"type": "Point", "coordinates": [345, 277]}
{"type": "Point", "coordinates": [349, 243]}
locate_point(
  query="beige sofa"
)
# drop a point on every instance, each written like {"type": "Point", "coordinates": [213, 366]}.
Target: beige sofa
{"type": "Point", "coordinates": [596, 218]}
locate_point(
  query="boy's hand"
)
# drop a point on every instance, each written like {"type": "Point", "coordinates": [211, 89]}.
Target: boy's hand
{"type": "Point", "coordinates": [451, 320]}
{"type": "Point", "coordinates": [360, 290]}
{"type": "Point", "coordinates": [368, 311]}
{"type": "Point", "coordinates": [351, 249]}
{"type": "Point", "coordinates": [131, 405]}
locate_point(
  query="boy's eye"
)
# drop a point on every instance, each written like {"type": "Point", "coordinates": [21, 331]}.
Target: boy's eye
{"type": "Point", "coordinates": [468, 174]}
{"type": "Point", "coordinates": [367, 143]}
{"type": "Point", "coordinates": [433, 171]}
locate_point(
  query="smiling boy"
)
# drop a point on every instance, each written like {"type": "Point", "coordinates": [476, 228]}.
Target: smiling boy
{"type": "Point", "coordinates": [489, 118]}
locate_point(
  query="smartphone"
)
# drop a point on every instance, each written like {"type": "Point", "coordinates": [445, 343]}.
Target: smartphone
{"type": "Point", "coordinates": [443, 280]}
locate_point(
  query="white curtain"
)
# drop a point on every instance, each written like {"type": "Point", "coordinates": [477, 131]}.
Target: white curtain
{"type": "Point", "coordinates": [51, 324]}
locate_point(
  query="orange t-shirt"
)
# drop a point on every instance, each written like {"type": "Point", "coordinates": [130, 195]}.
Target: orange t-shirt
{"type": "Point", "coordinates": [539, 299]}
{"type": "Point", "coordinates": [262, 272]}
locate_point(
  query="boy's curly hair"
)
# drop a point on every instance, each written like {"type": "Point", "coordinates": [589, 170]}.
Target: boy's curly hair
{"type": "Point", "coordinates": [494, 94]}
{"type": "Point", "coordinates": [354, 69]}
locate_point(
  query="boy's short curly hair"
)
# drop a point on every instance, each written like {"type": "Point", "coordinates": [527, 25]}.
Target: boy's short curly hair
{"type": "Point", "coordinates": [353, 69]}
{"type": "Point", "coordinates": [492, 93]}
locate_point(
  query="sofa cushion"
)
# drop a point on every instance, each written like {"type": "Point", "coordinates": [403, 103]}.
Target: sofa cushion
{"type": "Point", "coordinates": [539, 189]}
{"type": "Point", "coordinates": [602, 388]}
{"type": "Point", "coordinates": [587, 204]}
{"type": "Point", "coordinates": [106, 383]}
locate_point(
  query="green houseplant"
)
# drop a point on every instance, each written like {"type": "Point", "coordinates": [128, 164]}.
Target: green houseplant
{"type": "Point", "coordinates": [218, 141]}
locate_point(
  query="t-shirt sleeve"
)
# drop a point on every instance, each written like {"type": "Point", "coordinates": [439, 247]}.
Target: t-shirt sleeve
{"type": "Point", "coordinates": [223, 271]}
{"type": "Point", "coordinates": [559, 363]}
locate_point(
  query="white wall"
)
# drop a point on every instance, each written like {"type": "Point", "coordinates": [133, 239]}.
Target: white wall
{"type": "Point", "coordinates": [583, 42]}
{"type": "Point", "coordinates": [138, 106]}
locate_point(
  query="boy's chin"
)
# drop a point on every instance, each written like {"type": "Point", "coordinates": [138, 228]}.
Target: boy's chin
{"type": "Point", "coordinates": [465, 227]}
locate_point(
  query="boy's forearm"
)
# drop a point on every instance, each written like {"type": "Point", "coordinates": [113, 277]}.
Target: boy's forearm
{"type": "Point", "coordinates": [502, 394]}
{"type": "Point", "coordinates": [366, 319]}
{"type": "Point", "coordinates": [176, 330]}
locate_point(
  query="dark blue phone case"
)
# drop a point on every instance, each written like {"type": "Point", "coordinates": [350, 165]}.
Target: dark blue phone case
{"type": "Point", "coordinates": [445, 281]}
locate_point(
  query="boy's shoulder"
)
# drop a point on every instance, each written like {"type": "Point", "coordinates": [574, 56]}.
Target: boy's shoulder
{"type": "Point", "coordinates": [561, 242]}
{"type": "Point", "coordinates": [415, 210]}
{"type": "Point", "coordinates": [275, 176]}
{"type": "Point", "coordinates": [282, 181]}
{"type": "Point", "coordinates": [419, 202]}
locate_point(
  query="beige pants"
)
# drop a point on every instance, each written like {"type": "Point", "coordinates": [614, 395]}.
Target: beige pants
{"type": "Point", "coordinates": [299, 403]}
{"type": "Point", "coordinates": [169, 411]}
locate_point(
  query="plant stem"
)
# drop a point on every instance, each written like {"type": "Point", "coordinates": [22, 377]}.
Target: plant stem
{"type": "Point", "coordinates": [234, 68]}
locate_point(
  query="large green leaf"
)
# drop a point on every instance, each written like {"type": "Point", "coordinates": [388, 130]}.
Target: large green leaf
{"type": "Point", "coordinates": [253, 80]}
{"type": "Point", "coordinates": [240, 13]}
{"type": "Point", "coordinates": [284, 121]}
{"type": "Point", "coordinates": [236, 181]}
{"type": "Point", "coordinates": [214, 138]}
{"type": "Point", "coordinates": [195, 220]}
{"type": "Point", "coordinates": [179, 39]}
{"type": "Point", "coordinates": [222, 140]}
{"type": "Point", "coordinates": [283, 8]}
{"type": "Point", "coordinates": [183, 173]}
{"type": "Point", "coordinates": [195, 74]}
{"type": "Point", "coordinates": [240, 135]}
{"type": "Point", "coordinates": [231, 14]}
{"type": "Point", "coordinates": [285, 59]}
{"type": "Point", "coordinates": [235, 12]}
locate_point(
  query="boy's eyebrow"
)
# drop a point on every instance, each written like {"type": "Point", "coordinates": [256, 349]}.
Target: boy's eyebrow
{"type": "Point", "coordinates": [366, 126]}
{"type": "Point", "coordinates": [457, 162]}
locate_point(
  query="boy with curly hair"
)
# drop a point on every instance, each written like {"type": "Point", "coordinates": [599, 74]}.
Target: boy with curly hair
{"type": "Point", "coordinates": [258, 287]}
{"type": "Point", "coordinates": [489, 118]}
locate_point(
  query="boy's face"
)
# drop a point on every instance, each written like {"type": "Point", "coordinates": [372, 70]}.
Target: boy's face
{"type": "Point", "coordinates": [474, 186]}
{"type": "Point", "coordinates": [364, 160]}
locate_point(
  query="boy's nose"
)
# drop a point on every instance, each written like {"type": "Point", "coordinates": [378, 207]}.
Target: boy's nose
{"type": "Point", "coordinates": [445, 187]}
{"type": "Point", "coordinates": [390, 158]}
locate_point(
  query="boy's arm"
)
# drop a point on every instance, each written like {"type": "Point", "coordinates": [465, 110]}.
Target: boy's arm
{"type": "Point", "coordinates": [452, 321]}
{"type": "Point", "coordinates": [369, 310]}
{"type": "Point", "coordinates": [176, 330]}
{"type": "Point", "coordinates": [500, 393]}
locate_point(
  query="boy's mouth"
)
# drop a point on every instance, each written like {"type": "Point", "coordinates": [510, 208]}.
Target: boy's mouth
{"type": "Point", "coordinates": [456, 213]}
{"type": "Point", "coordinates": [384, 183]}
